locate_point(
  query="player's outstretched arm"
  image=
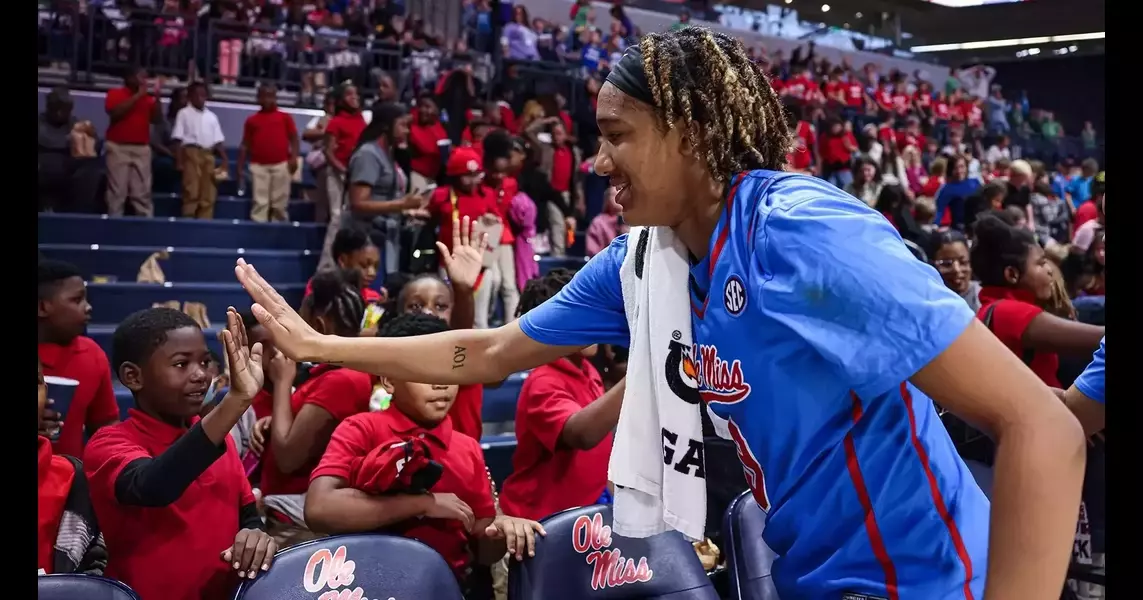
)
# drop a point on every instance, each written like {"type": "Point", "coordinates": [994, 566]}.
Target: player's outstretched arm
{"type": "Point", "coordinates": [455, 357]}
{"type": "Point", "coordinates": [1040, 455]}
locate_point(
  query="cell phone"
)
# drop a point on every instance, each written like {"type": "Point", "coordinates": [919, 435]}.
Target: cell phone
{"type": "Point", "coordinates": [427, 190]}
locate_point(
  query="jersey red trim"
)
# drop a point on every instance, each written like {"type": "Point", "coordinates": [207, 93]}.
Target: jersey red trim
{"type": "Point", "coordinates": [871, 528]}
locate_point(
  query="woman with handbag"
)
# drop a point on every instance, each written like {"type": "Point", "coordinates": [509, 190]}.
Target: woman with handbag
{"type": "Point", "coordinates": [375, 185]}
{"type": "Point", "coordinates": [314, 135]}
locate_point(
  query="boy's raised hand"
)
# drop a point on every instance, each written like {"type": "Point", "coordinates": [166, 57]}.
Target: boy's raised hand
{"type": "Point", "coordinates": [246, 375]}
{"type": "Point", "coordinates": [253, 549]}
{"type": "Point", "coordinates": [464, 263]}
{"type": "Point", "coordinates": [518, 534]}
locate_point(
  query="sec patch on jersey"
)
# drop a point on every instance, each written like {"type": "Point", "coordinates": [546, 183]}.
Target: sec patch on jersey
{"type": "Point", "coordinates": [734, 296]}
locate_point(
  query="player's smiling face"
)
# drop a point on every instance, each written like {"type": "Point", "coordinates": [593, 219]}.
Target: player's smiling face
{"type": "Point", "coordinates": [649, 168]}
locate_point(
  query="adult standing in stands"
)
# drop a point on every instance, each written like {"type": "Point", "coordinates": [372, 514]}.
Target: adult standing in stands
{"type": "Point", "coordinates": [341, 135]}
{"type": "Point", "coordinates": [132, 109]}
{"type": "Point", "coordinates": [69, 170]}
{"type": "Point", "coordinates": [425, 134]}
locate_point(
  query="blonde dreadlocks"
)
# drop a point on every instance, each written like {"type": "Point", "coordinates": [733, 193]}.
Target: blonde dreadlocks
{"type": "Point", "coordinates": [703, 82]}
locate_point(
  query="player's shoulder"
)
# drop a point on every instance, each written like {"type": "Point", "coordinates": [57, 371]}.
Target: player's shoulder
{"type": "Point", "coordinates": [769, 202]}
{"type": "Point", "coordinates": [110, 440]}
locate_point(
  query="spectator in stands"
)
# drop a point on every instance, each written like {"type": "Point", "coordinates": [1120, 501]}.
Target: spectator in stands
{"type": "Point", "coordinates": [314, 135]}
{"type": "Point", "coordinates": [997, 112]}
{"type": "Point", "coordinates": [1087, 223]}
{"type": "Point", "coordinates": [564, 424]}
{"type": "Point", "coordinates": [65, 352]}
{"type": "Point", "coordinates": [949, 254]}
{"type": "Point", "coordinates": [341, 135]}
{"type": "Point", "coordinates": [464, 198]}
{"type": "Point", "coordinates": [605, 226]}
{"type": "Point", "coordinates": [165, 474]}
{"type": "Point", "coordinates": [163, 147]}
{"type": "Point", "coordinates": [999, 150]}
{"type": "Point", "coordinates": [357, 488]}
{"type": "Point", "coordinates": [231, 20]}
{"type": "Point", "coordinates": [1078, 189]}
{"type": "Point", "coordinates": [556, 157]}
{"type": "Point", "coordinates": [270, 141]}
{"type": "Point", "coordinates": [68, 536]}
{"type": "Point", "coordinates": [426, 135]}
{"type": "Point", "coordinates": [519, 38]}
{"type": "Point", "coordinates": [1052, 215]}
{"type": "Point", "coordinates": [954, 194]}
{"type": "Point", "coordinates": [866, 185]}
{"type": "Point", "coordinates": [1087, 137]}
{"type": "Point", "coordinates": [131, 110]}
{"type": "Point", "coordinates": [1015, 281]}
{"type": "Point", "coordinates": [499, 281]}
{"type": "Point", "coordinates": [69, 169]}
{"type": "Point", "coordinates": [200, 142]}
{"type": "Point", "coordinates": [303, 421]}
{"type": "Point", "coordinates": [915, 175]}
{"type": "Point", "coordinates": [1020, 191]}
{"type": "Point", "coordinates": [355, 252]}
{"type": "Point", "coordinates": [376, 196]}
{"type": "Point", "coordinates": [837, 147]}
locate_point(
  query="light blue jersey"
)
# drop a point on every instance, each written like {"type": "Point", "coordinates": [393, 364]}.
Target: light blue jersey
{"type": "Point", "coordinates": [809, 316]}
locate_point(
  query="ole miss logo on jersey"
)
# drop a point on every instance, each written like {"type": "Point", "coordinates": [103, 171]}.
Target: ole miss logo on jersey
{"type": "Point", "coordinates": [699, 373]}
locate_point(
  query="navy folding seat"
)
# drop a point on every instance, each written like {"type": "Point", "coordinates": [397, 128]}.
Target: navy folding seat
{"type": "Point", "coordinates": [68, 586]}
{"type": "Point", "coordinates": [355, 566]}
{"type": "Point", "coordinates": [748, 558]}
{"type": "Point", "coordinates": [581, 559]}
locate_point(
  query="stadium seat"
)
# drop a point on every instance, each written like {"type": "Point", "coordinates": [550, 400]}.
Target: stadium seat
{"type": "Point", "coordinates": [199, 265]}
{"type": "Point", "coordinates": [580, 559]}
{"type": "Point", "coordinates": [82, 587]}
{"type": "Point", "coordinates": [112, 302]}
{"type": "Point", "coordinates": [57, 228]}
{"type": "Point", "coordinates": [230, 207]}
{"type": "Point", "coordinates": [359, 566]}
{"type": "Point", "coordinates": [748, 558]}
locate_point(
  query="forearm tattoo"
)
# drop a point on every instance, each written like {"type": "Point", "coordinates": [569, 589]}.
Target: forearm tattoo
{"type": "Point", "coordinates": [459, 355]}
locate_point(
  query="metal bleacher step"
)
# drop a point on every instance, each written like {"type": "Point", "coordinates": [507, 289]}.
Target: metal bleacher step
{"type": "Point", "coordinates": [231, 207]}
{"type": "Point", "coordinates": [183, 264]}
{"type": "Point", "coordinates": [55, 228]}
{"type": "Point", "coordinates": [112, 302]}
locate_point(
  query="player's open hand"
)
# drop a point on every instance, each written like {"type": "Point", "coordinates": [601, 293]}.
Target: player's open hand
{"type": "Point", "coordinates": [253, 550]}
{"type": "Point", "coordinates": [246, 376]}
{"type": "Point", "coordinates": [518, 534]}
{"type": "Point", "coordinates": [464, 263]}
{"type": "Point", "coordinates": [285, 326]}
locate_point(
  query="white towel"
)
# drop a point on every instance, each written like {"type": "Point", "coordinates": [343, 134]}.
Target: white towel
{"type": "Point", "coordinates": [656, 426]}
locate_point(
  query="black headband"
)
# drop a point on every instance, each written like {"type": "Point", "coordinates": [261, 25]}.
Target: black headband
{"type": "Point", "coordinates": [628, 75]}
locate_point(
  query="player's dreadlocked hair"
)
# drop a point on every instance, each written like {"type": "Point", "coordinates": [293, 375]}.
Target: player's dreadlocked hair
{"type": "Point", "coordinates": [538, 290]}
{"type": "Point", "coordinates": [704, 83]}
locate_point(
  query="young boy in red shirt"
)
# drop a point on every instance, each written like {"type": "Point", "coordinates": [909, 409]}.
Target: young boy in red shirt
{"type": "Point", "coordinates": [168, 487]}
{"type": "Point", "coordinates": [270, 141]}
{"type": "Point", "coordinates": [405, 471]}
{"type": "Point", "coordinates": [465, 197]}
{"type": "Point", "coordinates": [65, 352]}
{"type": "Point", "coordinates": [564, 424]}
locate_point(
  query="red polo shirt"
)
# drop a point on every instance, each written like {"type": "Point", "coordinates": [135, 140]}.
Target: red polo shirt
{"type": "Point", "coordinates": [503, 198]}
{"type": "Point", "coordinates": [135, 126]}
{"type": "Point", "coordinates": [345, 128]}
{"type": "Point", "coordinates": [547, 477]}
{"type": "Point", "coordinates": [480, 202]}
{"type": "Point", "coordinates": [563, 163]}
{"type": "Point", "coordinates": [54, 484]}
{"type": "Point", "coordinates": [94, 401]}
{"type": "Point", "coordinates": [263, 403]}
{"type": "Point", "coordinates": [465, 413]}
{"type": "Point", "coordinates": [1013, 312]}
{"type": "Point", "coordinates": [267, 135]}
{"type": "Point", "coordinates": [340, 392]}
{"type": "Point", "coordinates": [423, 140]}
{"type": "Point", "coordinates": [170, 552]}
{"type": "Point", "coordinates": [464, 474]}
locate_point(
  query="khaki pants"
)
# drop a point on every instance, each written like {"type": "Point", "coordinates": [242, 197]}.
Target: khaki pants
{"type": "Point", "coordinates": [129, 176]}
{"type": "Point", "coordinates": [271, 192]}
{"type": "Point", "coordinates": [334, 189]}
{"type": "Point", "coordinates": [289, 534]}
{"type": "Point", "coordinates": [199, 189]}
{"type": "Point", "coordinates": [500, 277]}
{"type": "Point", "coordinates": [557, 229]}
